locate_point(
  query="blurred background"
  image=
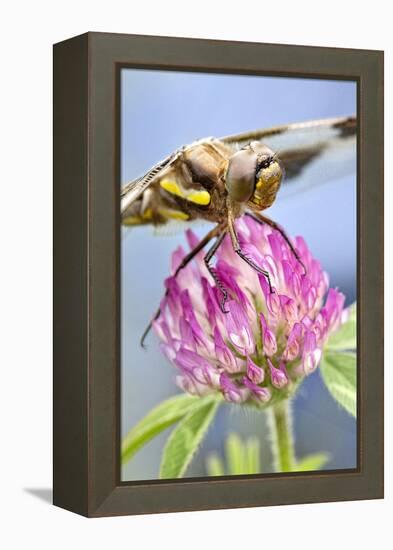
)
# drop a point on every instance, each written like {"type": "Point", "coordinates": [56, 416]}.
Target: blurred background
{"type": "Point", "coordinates": [161, 111]}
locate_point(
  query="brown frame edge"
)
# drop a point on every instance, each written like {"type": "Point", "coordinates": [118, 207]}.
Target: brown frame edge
{"type": "Point", "coordinates": [86, 274]}
{"type": "Point", "coordinates": [70, 275]}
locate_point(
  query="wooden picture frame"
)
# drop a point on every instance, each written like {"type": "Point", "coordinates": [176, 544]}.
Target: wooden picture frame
{"type": "Point", "coordinates": [86, 274]}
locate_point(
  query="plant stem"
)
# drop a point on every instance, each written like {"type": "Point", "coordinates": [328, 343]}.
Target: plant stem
{"type": "Point", "coordinates": [282, 437]}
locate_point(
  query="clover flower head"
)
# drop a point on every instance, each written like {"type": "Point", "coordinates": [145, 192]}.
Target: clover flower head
{"type": "Point", "coordinates": [267, 342]}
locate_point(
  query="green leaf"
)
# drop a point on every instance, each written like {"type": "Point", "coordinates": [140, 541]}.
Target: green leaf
{"type": "Point", "coordinates": [214, 465]}
{"type": "Point", "coordinates": [252, 456]}
{"type": "Point", "coordinates": [185, 439]}
{"type": "Point", "coordinates": [338, 371]}
{"type": "Point", "coordinates": [158, 419]}
{"type": "Point", "coordinates": [235, 454]}
{"type": "Point", "coordinates": [345, 337]}
{"type": "Point", "coordinates": [312, 462]}
{"type": "Point", "coordinates": [242, 457]}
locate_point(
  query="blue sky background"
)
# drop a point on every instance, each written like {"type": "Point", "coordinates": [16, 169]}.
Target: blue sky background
{"type": "Point", "coordinates": [161, 111]}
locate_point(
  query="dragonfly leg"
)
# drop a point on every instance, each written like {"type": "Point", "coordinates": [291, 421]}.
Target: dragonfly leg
{"type": "Point", "coordinates": [237, 248]}
{"type": "Point", "coordinates": [186, 260]}
{"type": "Point", "coordinates": [213, 272]}
{"type": "Point", "coordinates": [260, 218]}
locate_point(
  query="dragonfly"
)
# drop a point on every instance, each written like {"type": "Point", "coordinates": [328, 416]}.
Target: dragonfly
{"type": "Point", "coordinates": [220, 179]}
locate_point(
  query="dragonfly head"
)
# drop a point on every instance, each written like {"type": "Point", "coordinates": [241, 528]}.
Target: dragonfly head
{"type": "Point", "coordinates": [254, 176]}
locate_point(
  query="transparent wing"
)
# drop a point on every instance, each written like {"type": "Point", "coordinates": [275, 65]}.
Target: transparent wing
{"type": "Point", "coordinates": [311, 153]}
{"type": "Point", "coordinates": [134, 189]}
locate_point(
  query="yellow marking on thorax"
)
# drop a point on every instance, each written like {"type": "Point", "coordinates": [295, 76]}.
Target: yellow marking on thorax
{"type": "Point", "coordinates": [197, 197]}
{"type": "Point", "coordinates": [173, 214]}
{"type": "Point", "coordinates": [147, 214]}
{"type": "Point", "coordinates": [172, 187]}
{"type": "Point", "coordinates": [131, 220]}
{"type": "Point", "coordinates": [136, 220]}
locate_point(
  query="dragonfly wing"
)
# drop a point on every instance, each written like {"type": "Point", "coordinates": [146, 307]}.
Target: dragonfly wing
{"type": "Point", "coordinates": [311, 153]}
{"type": "Point", "coordinates": [310, 168]}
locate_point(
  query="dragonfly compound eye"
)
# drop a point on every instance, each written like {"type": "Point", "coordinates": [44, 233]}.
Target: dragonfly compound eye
{"type": "Point", "coordinates": [240, 176]}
